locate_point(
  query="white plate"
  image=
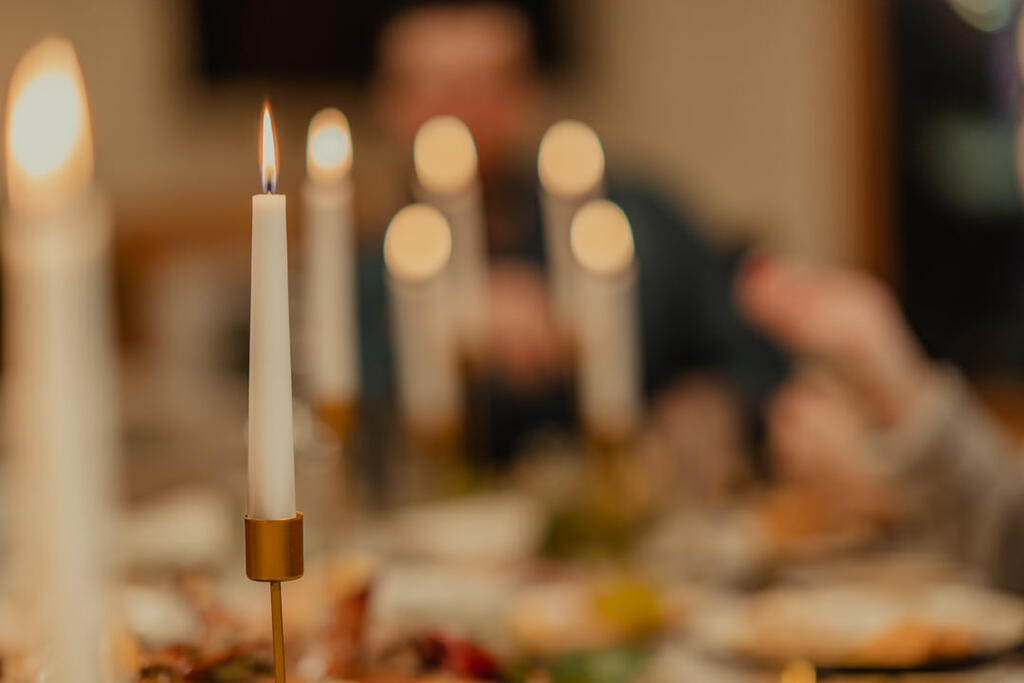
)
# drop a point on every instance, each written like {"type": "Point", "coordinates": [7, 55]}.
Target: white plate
{"type": "Point", "coordinates": [864, 625]}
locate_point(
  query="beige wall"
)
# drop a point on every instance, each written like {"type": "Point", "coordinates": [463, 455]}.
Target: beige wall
{"type": "Point", "coordinates": [749, 108]}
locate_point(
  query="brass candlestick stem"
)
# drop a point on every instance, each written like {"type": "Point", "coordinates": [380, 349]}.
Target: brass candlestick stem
{"type": "Point", "coordinates": [273, 553]}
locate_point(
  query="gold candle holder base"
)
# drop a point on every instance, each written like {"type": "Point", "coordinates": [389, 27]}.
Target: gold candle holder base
{"type": "Point", "coordinates": [273, 553]}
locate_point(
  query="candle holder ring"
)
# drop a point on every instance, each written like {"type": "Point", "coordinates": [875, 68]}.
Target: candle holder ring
{"type": "Point", "coordinates": [273, 549]}
{"type": "Point", "coordinates": [273, 553]}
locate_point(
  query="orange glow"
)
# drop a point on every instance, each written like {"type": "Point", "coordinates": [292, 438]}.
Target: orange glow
{"type": "Point", "coordinates": [268, 151]}
{"type": "Point", "coordinates": [798, 671]}
{"type": "Point", "coordinates": [49, 144]}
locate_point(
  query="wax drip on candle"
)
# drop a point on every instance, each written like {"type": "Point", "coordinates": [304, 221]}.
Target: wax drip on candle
{"type": "Point", "coordinates": [49, 145]}
{"type": "Point", "coordinates": [601, 238]}
{"type": "Point", "coordinates": [328, 146]}
{"type": "Point", "coordinates": [418, 243]}
{"type": "Point", "coordinates": [444, 155]}
{"type": "Point", "coordinates": [570, 161]}
{"type": "Point", "coordinates": [268, 151]}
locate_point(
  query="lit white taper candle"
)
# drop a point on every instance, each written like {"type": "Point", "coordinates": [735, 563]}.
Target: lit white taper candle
{"type": "Point", "coordinates": [330, 308]}
{"type": "Point", "coordinates": [417, 250]}
{"type": "Point", "coordinates": [271, 451]}
{"type": "Point", "coordinates": [445, 159]}
{"type": "Point", "coordinates": [60, 365]}
{"type": "Point", "coordinates": [601, 242]}
{"type": "Point", "coordinates": [570, 164]}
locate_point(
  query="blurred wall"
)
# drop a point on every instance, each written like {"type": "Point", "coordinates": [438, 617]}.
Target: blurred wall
{"type": "Point", "coordinates": [757, 115]}
{"type": "Point", "coordinates": [764, 113]}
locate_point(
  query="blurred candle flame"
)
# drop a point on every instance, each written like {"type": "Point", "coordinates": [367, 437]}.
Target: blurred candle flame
{"type": "Point", "coordinates": [328, 146]}
{"type": "Point", "coordinates": [417, 244]}
{"type": "Point", "coordinates": [49, 144]}
{"type": "Point", "coordinates": [268, 151]}
{"type": "Point", "coordinates": [601, 239]}
{"type": "Point", "coordinates": [570, 161]}
{"type": "Point", "coordinates": [444, 155]}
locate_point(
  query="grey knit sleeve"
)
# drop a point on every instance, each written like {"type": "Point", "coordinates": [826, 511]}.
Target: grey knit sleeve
{"type": "Point", "coordinates": [961, 480]}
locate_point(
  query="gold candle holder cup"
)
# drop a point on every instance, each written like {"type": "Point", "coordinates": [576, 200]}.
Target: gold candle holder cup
{"type": "Point", "coordinates": [273, 549]}
{"type": "Point", "coordinates": [273, 553]}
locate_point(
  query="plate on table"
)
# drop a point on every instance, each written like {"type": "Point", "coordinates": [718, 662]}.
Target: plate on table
{"type": "Point", "coordinates": [864, 626]}
{"type": "Point", "coordinates": [597, 612]}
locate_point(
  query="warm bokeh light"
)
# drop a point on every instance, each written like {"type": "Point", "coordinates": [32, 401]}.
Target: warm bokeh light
{"type": "Point", "coordinates": [49, 143]}
{"type": "Point", "coordinates": [46, 119]}
{"type": "Point", "coordinates": [418, 243]}
{"type": "Point", "coordinates": [570, 161]}
{"type": "Point", "coordinates": [328, 146]}
{"type": "Point", "coordinates": [601, 239]}
{"type": "Point", "coordinates": [444, 155]}
{"type": "Point", "coordinates": [268, 151]}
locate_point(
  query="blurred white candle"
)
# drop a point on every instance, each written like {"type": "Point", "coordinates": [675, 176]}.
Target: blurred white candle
{"type": "Point", "coordinates": [417, 250]}
{"type": "Point", "coordinates": [60, 364]}
{"type": "Point", "coordinates": [271, 453]}
{"type": "Point", "coordinates": [607, 322]}
{"type": "Point", "coordinates": [570, 164]}
{"type": "Point", "coordinates": [446, 177]}
{"type": "Point", "coordinates": [330, 310]}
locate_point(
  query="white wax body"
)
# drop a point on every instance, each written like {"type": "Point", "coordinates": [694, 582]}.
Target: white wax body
{"type": "Point", "coordinates": [271, 451]}
{"type": "Point", "coordinates": [467, 270]}
{"type": "Point", "coordinates": [330, 315]}
{"type": "Point", "coordinates": [426, 359]}
{"type": "Point", "coordinates": [61, 428]}
{"type": "Point", "coordinates": [609, 352]}
{"type": "Point", "coordinates": [557, 212]}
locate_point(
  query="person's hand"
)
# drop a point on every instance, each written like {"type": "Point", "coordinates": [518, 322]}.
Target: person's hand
{"type": "Point", "coordinates": [846, 318]}
{"type": "Point", "coordinates": [819, 442]}
{"type": "Point", "coordinates": [527, 347]}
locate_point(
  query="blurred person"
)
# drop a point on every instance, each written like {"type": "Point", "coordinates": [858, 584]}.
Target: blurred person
{"type": "Point", "coordinates": [479, 61]}
{"type": "Point", "coordinates": [473, 60]}
{"type": "Point", "coordinates": [935, 455]}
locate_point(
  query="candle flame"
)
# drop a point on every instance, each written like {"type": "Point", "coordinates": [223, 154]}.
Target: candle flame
{"type": "Point", "coordinates": [328, 146]}
{"type": "Point", "coordinates": [570, 161]}
{"type": "Point", "coordinates": [601, 239]}
{"type": "Point", "coordinates": [49, 144]}
{"type": "Point", "coordinates": [417, 244]}
{"type": "Point", "coordinates": [268, 151]}
{"type": "Point", "coordinates": [444, 155]}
